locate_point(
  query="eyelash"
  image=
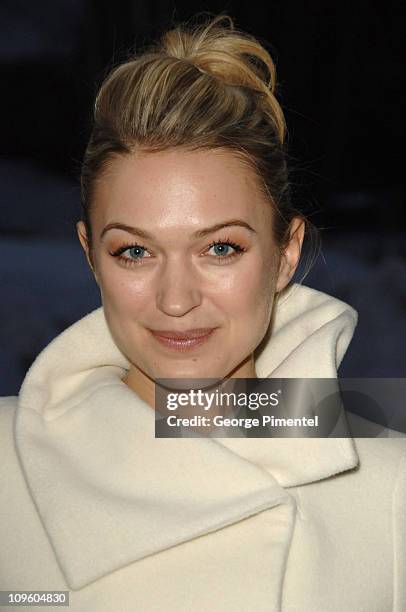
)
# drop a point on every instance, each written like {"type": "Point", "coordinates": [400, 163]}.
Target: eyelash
{"type": "Point", "coordinates": [225, 259]}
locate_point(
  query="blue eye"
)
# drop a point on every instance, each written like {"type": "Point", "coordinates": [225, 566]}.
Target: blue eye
{"type": "Point", "coordinates": [131, 254]}
{"type": "Point", "coordinates": [221, 248]}
{"type": "Point", "coordinates": [226, 250]}
{"type": "Point", "coordinates": [136, 252]}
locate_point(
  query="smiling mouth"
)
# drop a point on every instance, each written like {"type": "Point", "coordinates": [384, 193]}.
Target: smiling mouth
{"type": "Point", "coordinates": [183, 341]}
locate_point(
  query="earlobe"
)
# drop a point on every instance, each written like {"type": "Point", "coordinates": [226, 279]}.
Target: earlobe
{"type": "Point", "coordinates": [291, 254]}
{"type": "Point", "coordinates": [82, 235]}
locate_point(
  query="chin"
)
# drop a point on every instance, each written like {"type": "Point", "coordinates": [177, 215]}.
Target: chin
{"type": "Point", "coordinates": [191, 371]}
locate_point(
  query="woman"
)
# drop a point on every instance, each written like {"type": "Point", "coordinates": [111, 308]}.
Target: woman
{"type": "Point", "coordinates": [193, 241]}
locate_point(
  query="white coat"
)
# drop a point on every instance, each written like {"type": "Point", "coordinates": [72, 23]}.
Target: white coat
{"type": "Point", "coordinates": [92, 503]}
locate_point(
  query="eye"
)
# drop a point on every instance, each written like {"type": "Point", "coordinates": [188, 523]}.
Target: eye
{"type": "Point", "coordinates": [225, 250]}
{"type": "Point", "coordinates": [221, 248]}
{"type": "Point", "coordinates": [135, 253]}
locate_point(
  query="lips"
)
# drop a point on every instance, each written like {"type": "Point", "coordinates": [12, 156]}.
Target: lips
{"type": "Point", "coordinates": [183, 340]}
{"type": "Point", "coordinates": [187, 335]}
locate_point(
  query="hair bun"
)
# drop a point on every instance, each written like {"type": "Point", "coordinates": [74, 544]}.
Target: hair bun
{"type": "Point", "coordinates": [233, 57]}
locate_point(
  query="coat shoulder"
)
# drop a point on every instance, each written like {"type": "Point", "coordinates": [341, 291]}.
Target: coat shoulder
{"type": "Point", "coordinates": [8, 408]}
{"type": "Point", "coordinates": [381, 451]}
{"type": "Point", "coordinates": [9, 401]}
{"type": "Point", "coordinates": [365, 428]}
{"type": "Point", "coordinates": [382, 448]}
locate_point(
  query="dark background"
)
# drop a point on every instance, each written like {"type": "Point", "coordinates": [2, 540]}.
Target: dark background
{"type": "Point", "coordinates": [341, 72]}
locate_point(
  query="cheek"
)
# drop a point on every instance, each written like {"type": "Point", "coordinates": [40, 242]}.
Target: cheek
{"type": "Point", "coordinates": [124, 291]}
{"type": "Point", "coordinates": [248, 295]}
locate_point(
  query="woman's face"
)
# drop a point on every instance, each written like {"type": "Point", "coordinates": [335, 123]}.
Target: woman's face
{"type": "Point", "coordinates": [186, 264]}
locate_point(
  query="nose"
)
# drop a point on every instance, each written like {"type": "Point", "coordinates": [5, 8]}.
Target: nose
{"type": "Point", "coordinates": [179, 291]}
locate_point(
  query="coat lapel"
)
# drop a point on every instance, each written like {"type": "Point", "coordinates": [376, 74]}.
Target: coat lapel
{"type": "Point", "coordinates": [120, 495]}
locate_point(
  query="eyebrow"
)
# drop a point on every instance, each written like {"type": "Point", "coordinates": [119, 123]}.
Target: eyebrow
{"type": "Point", "coordinates": [137, 231]}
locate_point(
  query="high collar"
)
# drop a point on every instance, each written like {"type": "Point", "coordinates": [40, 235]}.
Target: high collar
{"type": "Point", "coordinates": [109, 493]}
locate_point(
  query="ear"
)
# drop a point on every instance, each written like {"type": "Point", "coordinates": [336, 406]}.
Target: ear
{"type": "Point", "coordinates": [291, 254]}
{"type": "Point", "coordinates": [83, 239]}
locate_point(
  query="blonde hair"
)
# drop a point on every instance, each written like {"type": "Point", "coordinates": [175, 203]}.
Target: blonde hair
{"type": "Point", "coordinates": [203, 86]}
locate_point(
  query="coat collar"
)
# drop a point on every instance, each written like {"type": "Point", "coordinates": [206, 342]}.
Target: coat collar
{"type": "Point", "coordinates": [109, 493]}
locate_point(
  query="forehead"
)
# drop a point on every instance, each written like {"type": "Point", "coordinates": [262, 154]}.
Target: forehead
{"type": "Point", "coordinates": [179, 189]}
